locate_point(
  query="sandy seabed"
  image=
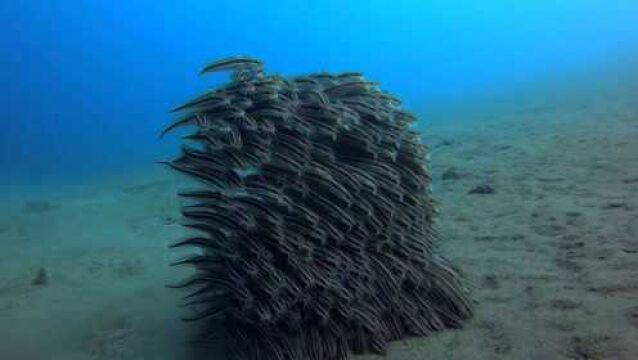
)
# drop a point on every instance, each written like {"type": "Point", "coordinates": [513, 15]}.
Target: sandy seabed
{"type": "Point", "coordinates": [538, 200]}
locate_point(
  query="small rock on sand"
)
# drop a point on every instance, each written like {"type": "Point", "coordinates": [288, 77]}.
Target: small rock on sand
{"type": "Point", "coordinates": [633, 316]}
{"type": "Point", "coordinates": [38, 206]}
{"type": "Point", "coordinates": [482, 189]}
{"type": "Point", "coordinates": [41, 278]}
{"type": "Point", "coordinates": [445, 143]}
{"type": "Point", "coordinates": [450, 174]}
{"type": "Point", "coordinates": [615, 205]}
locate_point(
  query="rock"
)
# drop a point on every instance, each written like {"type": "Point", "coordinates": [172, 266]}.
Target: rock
{"type": "Point", "coordinates": [41, 278]}
{"type": "Point", "coordinates": [501, 147]}
{"type": "Point", "coordinates": [565, 304]}
{"type": "Point", "coordinates": [633, 316]}
{"type": "Point", "coordinates": [127, 267]}
{"type": "Point", "coordinates": [450, 174]}
{"type": "Point", "coordinates": [445, 143]}
{"type": "Point", "coordinates": [615, 205]}
{"type": "Point", "coordinates": [38, 206]}
{"type": "Point", "coordinates": [169, 220]}
{"type": "Point", "coordinates": [482, 189]}
{"type": "Point", "coordinates": [490, 282]}
{"type": "Point", "coordinates": [629, 247]}
{"type": "Point", "coordinates": [588, 347]}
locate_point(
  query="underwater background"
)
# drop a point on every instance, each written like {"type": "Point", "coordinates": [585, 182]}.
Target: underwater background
{"type": "Point", "coordinates": [535, 100]}
{"type": "Point", "coordinates": [88, 84]}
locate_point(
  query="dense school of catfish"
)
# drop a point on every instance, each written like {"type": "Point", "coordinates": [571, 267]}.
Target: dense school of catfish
{"type": "Point", "coordinates": [313, 222]}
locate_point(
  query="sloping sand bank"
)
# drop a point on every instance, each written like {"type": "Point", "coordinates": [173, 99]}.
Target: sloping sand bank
{"type": "Point", "coordinates": [539, 209]}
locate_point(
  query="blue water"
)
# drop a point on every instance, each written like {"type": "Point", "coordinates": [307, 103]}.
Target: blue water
{"type": "Point", "coordinates": [86, 84]}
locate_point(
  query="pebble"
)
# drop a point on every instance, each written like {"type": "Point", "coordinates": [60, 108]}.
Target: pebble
{"type": "Point", "coordinates": [41, 278]}
{"type": "Point", "coordinates": [482, 189]}
{"type": "Point", "coordinates": [450, 174]}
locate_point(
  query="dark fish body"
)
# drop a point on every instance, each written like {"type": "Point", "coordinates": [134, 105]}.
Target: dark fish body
{"type": "Point", "coordinates": [232, 63]}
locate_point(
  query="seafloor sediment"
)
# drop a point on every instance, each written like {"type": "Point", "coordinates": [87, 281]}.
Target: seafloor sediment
{"type": "Point", "coordinates": [551, 252]}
